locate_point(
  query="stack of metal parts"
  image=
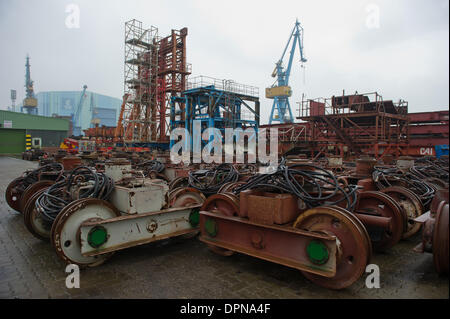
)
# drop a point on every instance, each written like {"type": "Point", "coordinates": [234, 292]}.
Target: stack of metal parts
{"type": "Point", "coordinates": [364, 208]}
{"type": "Point", "coordinates": [88, 214]}
{"type": "Point", "coordinates": [82, 182]}
{"type": "Point", "coordinates": [44, 206]}
{"type": "Point", "coordinates": [20, 189]}
{"type": "Point", "coordinates": [324, 218]}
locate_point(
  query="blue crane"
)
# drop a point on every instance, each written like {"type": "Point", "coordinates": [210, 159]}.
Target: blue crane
{"type": "Point", "coordinates": [280, 91]}
{"type": "Point", "coordinates": [76, 117]}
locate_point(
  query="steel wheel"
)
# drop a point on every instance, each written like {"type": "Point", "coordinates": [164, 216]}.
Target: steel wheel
{"type": "Point", "coordinates": [30, 190]}
{"type": "Point", "coordinates": [52, 230]}
{"type": "Point", "coordinates": [186, 196]}
{"type": "Point", "coordinates": [13, 194]}
{"type": "Point", "coordinates": [226, 204]}
{"type": "Point", "coordinates": [66, 233]}
{"type": "Point", "coordinates": [380, 204]}
{"type": "Point", "coordinates": [37, 226]}
{"type": "Point", "coordinates": [361, 226]}
{"type": "Point", "coordinates": [178, 182]}
{"type": "Point", "coordinates": [182, 197]}
{"type": "Point", "coordinates": [353, 252]}
{"type": "Point", "coordinates": [411, 206]}
{"type": "Point", "coordinates": [441, 240]}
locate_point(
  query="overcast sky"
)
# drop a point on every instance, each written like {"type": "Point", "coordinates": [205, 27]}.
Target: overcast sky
{"type": "Point", "coordinates": [404, 54]}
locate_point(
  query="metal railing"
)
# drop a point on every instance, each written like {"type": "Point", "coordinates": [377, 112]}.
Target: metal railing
{"type": "Point", "coordinates": [224, 85]}
{"type": "Point", "coordinates": [329, 106]}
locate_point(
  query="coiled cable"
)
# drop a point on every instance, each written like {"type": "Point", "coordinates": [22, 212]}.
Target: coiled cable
{"type": "Point", "coordinates": [311, 183]}
{"type": "Point", "coordinates": [209, 181]}
{"type": "Point", "coordinates": [83, 182]}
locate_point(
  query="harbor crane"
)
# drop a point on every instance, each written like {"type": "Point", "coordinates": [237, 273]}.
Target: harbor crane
{"type": "Point", "coordinates": [30, 101]}
{"type": "Point", "coordinates": [280, 91]}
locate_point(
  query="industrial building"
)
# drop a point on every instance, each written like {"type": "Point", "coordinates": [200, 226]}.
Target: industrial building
{"type": "Point", "coordinates": [19, 130]}
{"type": "Point", "coordinates": [94, 109]}
{"type": "Point", "coordinates": [83, 109]}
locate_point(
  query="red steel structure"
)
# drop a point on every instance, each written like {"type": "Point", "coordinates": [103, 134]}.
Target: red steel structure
{"type": "Point", "coordinates": [172, 76]}
{"type": "Point", "coordinates": [101, 134]}
{"type": "Point", "coordinates": [293, 138]}
{"type": "Point", "coordinates": [155, 70]}
{"type": "Point", "coordinates": [351, 125]}
{"type": "Point", "coordinates": [428, 129]}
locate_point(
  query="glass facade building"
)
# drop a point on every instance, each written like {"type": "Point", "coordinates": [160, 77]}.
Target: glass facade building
{"type": "Point", "coordinates": [94, 107]}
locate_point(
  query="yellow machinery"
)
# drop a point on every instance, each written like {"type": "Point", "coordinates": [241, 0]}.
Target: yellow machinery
{"type": "Point", "coordinates": [283, 90]}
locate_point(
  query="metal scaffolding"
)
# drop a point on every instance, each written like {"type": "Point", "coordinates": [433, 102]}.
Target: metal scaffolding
{"type": "Point", "coordinates": [140, 82]}
{"type": "Point", "coordinates": [155, 71]}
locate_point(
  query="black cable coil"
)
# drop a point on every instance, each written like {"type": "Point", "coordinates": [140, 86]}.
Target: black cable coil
{"type": "Point", "coordinates": [31, 177]}
{"type": "Point", "coordinates": [209, 181]}
{"type": "Point", "coordinates": [62, 193]}
{"type": "Point", "coordinates": [312, 184]}
{"type": "Point", "coordinates": [389, 176]}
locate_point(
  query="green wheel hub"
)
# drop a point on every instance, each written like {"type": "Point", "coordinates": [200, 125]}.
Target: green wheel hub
{"type": "Point", "coordinates": [97, 236]}
{"type": "Point", "coordinates": [211, 227]}
{"type": "Point", "coordinates": [317, 252]}
{"type": "Point", "coordinates": [194, 217]}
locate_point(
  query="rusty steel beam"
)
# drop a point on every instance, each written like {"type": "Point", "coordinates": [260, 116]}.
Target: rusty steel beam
{"type": "Point", "coordinates": [429, 129]}
{"type": "Point", "coordinates": [429, 117]}
{"type": "Point", "coordinates": [279, 244]}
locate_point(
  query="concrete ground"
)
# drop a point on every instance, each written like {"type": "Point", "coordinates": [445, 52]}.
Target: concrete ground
{"type": "Point", "coordinates": [185, 268]}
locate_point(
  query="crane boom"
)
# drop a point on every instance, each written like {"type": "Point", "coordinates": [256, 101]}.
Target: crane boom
{"type": "Point", "coordinates": [281, 91]}
{"type": "Point", "coordinates": [76, 116]}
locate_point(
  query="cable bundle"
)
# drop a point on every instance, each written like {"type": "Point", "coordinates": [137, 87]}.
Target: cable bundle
{"type": "Point", "coordinates": [83, 182]}
{"type": "Point", "coordinates": [312, 184]}
{"type": "Point", "coordinates": [209, 181]}
{"type": "Point", "coordinates": [31, 177]}
{"type": "Point", "coordinates": [428, 167]}
{"type": "Point", "coordinates": [386, 177]}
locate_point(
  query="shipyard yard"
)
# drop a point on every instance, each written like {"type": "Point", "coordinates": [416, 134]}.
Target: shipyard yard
{"type": "Point", "coordinates": [198, 173]}
{"type": "Point", "coordinates": [185, 268]}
